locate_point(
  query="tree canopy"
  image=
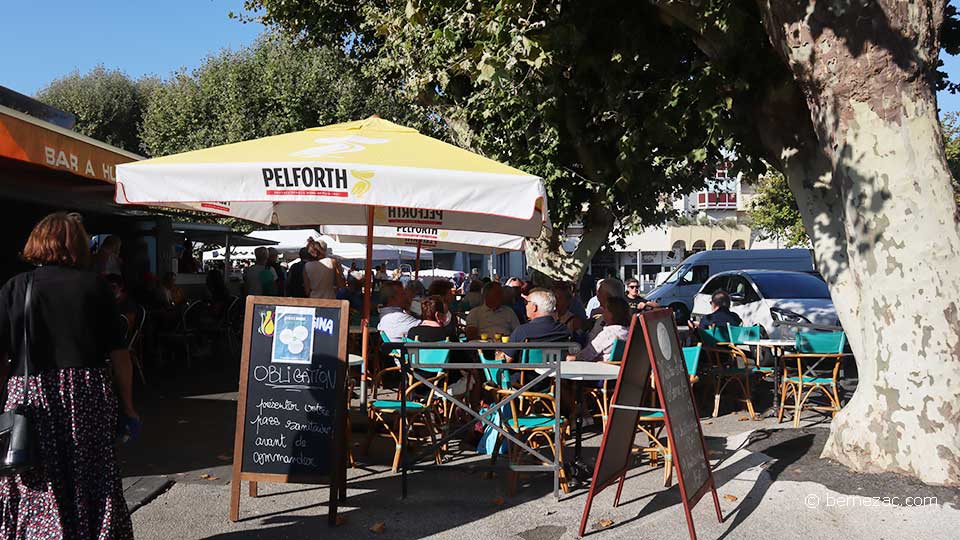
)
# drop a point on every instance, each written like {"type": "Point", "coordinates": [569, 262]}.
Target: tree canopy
{"type": "Point", "coordinates": [576, 95]}
{"type": "Point", "coordinates": [267, 89]}
{"type": "Point", "coordinates": [107, 104]}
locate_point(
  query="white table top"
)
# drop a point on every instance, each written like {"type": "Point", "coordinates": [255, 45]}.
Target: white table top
{"type": "Point", "coordinates": [587, 371]}
{"type": "Point", "coordinates": [354, 360]}
{"type": "Point", "coordinates": [770, 343]}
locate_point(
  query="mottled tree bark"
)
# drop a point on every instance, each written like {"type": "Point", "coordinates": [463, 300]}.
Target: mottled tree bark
{"type": "Point", "coordinates": [883, 223]}
{"type": "Point", "coordinates": [545, 254]}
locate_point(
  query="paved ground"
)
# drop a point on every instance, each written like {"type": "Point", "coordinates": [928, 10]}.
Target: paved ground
{"type": "Point", "coordinates": [771, 485]}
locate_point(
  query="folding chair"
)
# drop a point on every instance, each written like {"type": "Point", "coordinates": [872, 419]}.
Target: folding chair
{"type": "Point", "coordinates": [739, 334]}
{"type": "Point", "coordinates": [601, 395]}
{"type": "Point", "coordinates": [817, 347]}
{"type": "Point", "coordinates": [421, 415]}
{"type": "Point", "coordinates": [652, 424]}
{"type": "Point", "coordinates": [725, 358]}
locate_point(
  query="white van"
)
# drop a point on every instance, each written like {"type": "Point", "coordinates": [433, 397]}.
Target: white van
{"type": "Point", "coordinates": [680, 287]}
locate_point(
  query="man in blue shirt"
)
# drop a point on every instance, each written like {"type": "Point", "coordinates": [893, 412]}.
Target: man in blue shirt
{"type": "Point", "coordinates": [543, 326]}
{"type": "Point", "coordinates": [721, 316]}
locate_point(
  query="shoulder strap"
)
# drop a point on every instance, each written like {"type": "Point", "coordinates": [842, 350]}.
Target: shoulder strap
{"type": "Point", "coordinates": [27, 318]}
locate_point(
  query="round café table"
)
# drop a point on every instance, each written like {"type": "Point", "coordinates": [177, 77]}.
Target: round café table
{"type": "Point", "coordinates": [776, 347]}
{"type": "Point", "coordinates": [578, 372]}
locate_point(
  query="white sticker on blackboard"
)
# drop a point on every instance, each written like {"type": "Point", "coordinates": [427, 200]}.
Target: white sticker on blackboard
{"type": "Point", "coordinates": [293, 335]}
{"type": "Point", "coordinates": [663, 338]}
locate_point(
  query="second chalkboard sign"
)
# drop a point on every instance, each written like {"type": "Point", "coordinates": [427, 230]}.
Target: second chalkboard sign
{"type": "Point", "coordinates": [291, 408]}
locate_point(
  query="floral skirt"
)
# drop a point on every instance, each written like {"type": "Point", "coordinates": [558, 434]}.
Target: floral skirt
{"type": "Point", "coordinates": [76, 492]}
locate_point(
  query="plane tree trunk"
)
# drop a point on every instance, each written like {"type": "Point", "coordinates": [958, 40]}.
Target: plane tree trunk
{"type": "Point", "coordinates": [881, 215]}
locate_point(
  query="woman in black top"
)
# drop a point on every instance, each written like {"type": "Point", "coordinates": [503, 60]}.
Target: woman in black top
{"type": "Point", "coordinates": [75, 491]}
{"type": "Point", "coordinates": [432, 327]}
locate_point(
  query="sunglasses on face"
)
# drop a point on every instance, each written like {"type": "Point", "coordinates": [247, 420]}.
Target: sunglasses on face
{"type": "Point", "coordinates": [632, 286]}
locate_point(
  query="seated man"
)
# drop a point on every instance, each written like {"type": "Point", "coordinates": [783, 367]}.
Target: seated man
{"type": "Point", "coordinates": [543, 326]}
{"type": "Point", "coordinates": [565, 315]}
{"type": "Point", "coordinates": [721, 316]}
{"type": "Point", "coordinates": [491, 317]}
{"type": "Point", "coordinates": [637, 302]}
{"type": "Point", "coordinates": [616, 318]}
{"type": "Point", "coordinates": [395, 321]}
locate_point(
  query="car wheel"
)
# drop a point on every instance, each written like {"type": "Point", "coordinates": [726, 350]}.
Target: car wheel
{"type": "Point", "coordinates": [680, 313]}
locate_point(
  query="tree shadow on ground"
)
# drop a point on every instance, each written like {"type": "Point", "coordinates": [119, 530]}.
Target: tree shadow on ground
{"type": "Point", "coordinates": [425, 512]}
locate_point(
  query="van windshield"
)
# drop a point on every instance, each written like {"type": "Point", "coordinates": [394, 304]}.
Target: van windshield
{"type": "Point", "coordinates": [677, 274]}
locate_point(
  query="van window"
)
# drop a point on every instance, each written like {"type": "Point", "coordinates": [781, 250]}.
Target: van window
{"type": "Point", "coordinates": [697, 275]}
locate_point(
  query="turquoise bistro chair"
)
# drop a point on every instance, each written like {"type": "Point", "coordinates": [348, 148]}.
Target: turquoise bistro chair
{"type": "Point", "coordinates": [739, 334]}
{"type": "Point", "coordinates": [651, 423]}
{"type": "Point", "coordinates": [725, 359]}
{"type": "Point", "coordinates": [532, 415]}
{"type": "Point", "coordinates": [819, 348]}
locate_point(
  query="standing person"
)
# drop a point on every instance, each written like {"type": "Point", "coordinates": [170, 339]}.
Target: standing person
{"type": "Point", "coordinates": [74, 491]}
{"type": "Point", "coordinates": [594, 301]}
{"type": "Point", "coordinates": [382, 273]}
{"type": "Point", "coordinates": [108, 256]}
{"type": "Point", "coordinates": [187, 263]}
{"type": "Point", "coordinates": [259, 279]}
{"type": "Point", "coordinates": [322, 275]}
{"type": "Point", "coordinates": [273, 262]}
{"type": "Point", "coordinates": [294, 283]}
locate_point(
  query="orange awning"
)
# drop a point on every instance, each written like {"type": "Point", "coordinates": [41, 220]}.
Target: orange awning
{"type": "Point", "coordinates": [31, 140]}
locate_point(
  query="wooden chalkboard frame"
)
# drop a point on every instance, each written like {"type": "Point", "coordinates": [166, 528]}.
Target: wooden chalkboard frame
{"type": "Point", "coordinates": [336, 480]}
{"type": "Point", "coordinates": [649, 321]}
{"type": "Point", "coordinates": [635, 351]}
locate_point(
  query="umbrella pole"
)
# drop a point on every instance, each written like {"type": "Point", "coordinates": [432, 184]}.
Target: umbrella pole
{"type": "Point", "coordinates": [365, 322]}
{"type": "Point", "coordinates": [226, 261]}
{"type": "Point", "coordinates": [416, 274]}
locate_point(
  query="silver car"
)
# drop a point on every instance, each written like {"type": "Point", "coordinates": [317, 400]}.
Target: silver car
{"type": "Point", "coordinates": [764, 296]}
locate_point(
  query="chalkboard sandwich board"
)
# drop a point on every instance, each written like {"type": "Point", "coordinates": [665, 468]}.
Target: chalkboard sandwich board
{"type": "Point", "coordinates": [680, 411]}
{"type": "Point", "coordinates": [614, 458]}
{"type": "Point", "coordinates": [292, 405]}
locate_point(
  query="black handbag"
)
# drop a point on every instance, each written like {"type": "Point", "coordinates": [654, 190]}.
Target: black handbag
{"type": "Point", "coordinates": [18, 440]}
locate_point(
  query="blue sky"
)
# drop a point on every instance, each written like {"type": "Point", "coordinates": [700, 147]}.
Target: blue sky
{"type": "Point", "coordinates": [45, 39]}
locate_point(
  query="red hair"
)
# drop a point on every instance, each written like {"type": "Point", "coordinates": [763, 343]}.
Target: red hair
{"type": "Point", "coordinates": [60, 239]}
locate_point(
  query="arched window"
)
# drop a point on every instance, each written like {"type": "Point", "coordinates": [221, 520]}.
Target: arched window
{"type": "Point", "coordinates": [738, 244]}
{"type": "Point", "coordinates": [699, 245]}
{"type": "Point", "coordinates": [719, 244]}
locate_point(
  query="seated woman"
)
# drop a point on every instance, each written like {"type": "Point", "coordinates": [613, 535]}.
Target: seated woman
{"type": "Point", "coordinates": [616, 318]}
{"type": "Point", "coordinates": [433, 314]}
{"type": "Point", "coordinates": [433, 318]}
